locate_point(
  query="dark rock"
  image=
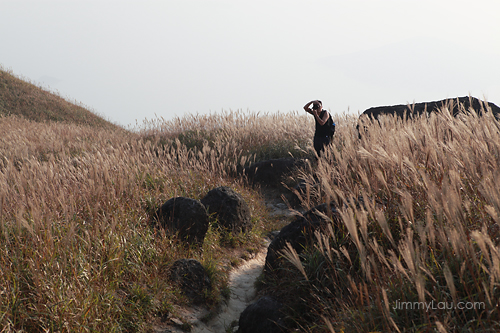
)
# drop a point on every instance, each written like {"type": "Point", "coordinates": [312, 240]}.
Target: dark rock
{"type": "Point", "coordinates": [299, 232]}
{"type": "Point", "coordinates": [420, 108]}
{"type": "Point", "coordinates": [191, 276]}
{"type": "Point", "coordinates": [185, 216]}
{"type": "Point", "coordinates": [272, 172]}
{"type": "Point", "coordinates": [273, 234]}
{"type": "Point", "coordinates": [263, 316]}
{"type": "Point", "coordinates": [455, 105]}
{"type": "Point", "coordinates": [231, 210]}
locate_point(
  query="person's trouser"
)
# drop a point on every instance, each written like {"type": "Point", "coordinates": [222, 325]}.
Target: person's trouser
{"type": "Point", "coordinates": [320, 142]}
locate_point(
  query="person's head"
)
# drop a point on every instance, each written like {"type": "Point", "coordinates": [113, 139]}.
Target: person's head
{"type": "Point", "coordinates": [317, 105]}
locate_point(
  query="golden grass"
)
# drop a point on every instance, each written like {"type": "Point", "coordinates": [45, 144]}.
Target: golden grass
{"type": "Point", "coordinates": [77, 251]}
{"type": "Point", "coordinates": [419, 199]}
{"type": "Point", "coordinates": [421, 202]}
{"type": "Point", "coordinates": [249, 134]}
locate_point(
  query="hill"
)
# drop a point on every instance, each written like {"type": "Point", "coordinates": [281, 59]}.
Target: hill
{"type": "Point", "coordinates": [21, 98]}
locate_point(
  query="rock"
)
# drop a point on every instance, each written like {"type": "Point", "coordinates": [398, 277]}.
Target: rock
{"type": "Point", "coordinates": [299, 232]}
{"type": "Point", "coordinates": [186, 216]}
{"type": "Point", "coordinates": [420, 108]}
{"type": "Point", "coordinates": [273, 234]}
{"type": "Point", "coordinates": [231, 210]}
{"type": "Point", "coordinates": [272, 172]}
{"type": "Point", "coordinates": [263, 316]}
{"type": "Point", "coordinates": [456, 105]}
{"type": "Point", "coordinates": [191, 276]}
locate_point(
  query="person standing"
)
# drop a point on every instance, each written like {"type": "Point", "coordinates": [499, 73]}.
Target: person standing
{"type": "Point", "coordinates": [324, 125]}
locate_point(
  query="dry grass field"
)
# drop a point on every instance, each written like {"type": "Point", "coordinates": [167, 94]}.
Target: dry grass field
{"type": "Point", "coordinates": [416, 248]}
{"type": "Point", "coordinates": [77, 252]}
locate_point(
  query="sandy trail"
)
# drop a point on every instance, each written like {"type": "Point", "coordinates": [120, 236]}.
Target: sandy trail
{"type": "Point", "coordinates": [241, 283]}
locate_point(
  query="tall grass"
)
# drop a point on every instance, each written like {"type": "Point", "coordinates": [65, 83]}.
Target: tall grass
{"type": "Point", "coordinates": [254, 135]}
{"type": "Point", "coordinates": [420, 201]}
{"type": "Point", "coordinates": [77, 253]}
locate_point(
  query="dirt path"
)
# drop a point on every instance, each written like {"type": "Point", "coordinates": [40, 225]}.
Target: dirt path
{"type": "Point", "coordinates": [241, 284]}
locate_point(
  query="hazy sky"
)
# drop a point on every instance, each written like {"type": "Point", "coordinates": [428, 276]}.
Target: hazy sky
{"type": "Point", "coordinates": [130, 60]}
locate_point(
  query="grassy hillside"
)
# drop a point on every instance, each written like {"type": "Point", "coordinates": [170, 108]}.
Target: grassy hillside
{"type": "Point", "coordinates": [416, 247]}
{"type": "Point", "coordinates": [77, 253]}
{"type": "Point", "coordinates": [21, 98]}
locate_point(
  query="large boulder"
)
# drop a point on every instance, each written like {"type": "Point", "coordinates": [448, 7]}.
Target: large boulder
{"type": "Point", "coordinates": [185, 216]}
{"type": "Point", "coordinates": [300, 232]}
{"type": "Point", "coordinates": [231, 210]}
{"type": "Point", "coordinates": [191, 277]}
{"type": "Point", "coordinates": [455, 105]}
{"type": "Point", "coordinates": [272, 172]}
{"type": "Point", "coordinates": [263, 316]}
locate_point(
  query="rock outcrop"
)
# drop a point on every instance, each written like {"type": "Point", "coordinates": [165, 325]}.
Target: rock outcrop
{"type": "Point", "coordinates": [192, 278]}
{"type": "Point", "coordinates": [230, 209]}
{"type": "Point", "coordinates": [272, 172]}
{"type": "Point", "coordinates": [455, 105]}
{"type": "Point", "coordinates": [299, 232]}
{"type": "Point", "coordinates": [263, 316]}
{"type": "Point", "coordinates": [185, 216]}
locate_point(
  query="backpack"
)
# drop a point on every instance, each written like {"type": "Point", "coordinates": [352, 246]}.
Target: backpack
{"type": "Point", "coordinates": [331, 125]}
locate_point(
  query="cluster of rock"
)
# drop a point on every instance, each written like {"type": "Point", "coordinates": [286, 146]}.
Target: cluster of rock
{"type": "Point", "coordinates": [189, 219]}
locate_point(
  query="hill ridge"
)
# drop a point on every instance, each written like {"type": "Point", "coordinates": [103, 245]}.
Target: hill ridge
{"type": "Point", "coordinates": [24, 99]}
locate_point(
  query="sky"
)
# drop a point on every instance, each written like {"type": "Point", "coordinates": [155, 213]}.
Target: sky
{"type": "Point", "coordinates": [134, 60]}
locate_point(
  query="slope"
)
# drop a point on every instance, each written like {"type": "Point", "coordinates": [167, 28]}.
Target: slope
{"type": "Point", "coordinates": [21, 98]}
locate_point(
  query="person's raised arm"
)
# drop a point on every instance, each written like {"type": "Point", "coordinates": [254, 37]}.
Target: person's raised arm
{"type": "Point", "coordinates": [322, 120]}
{"type": "Point", "coordinates": [307, 107]}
